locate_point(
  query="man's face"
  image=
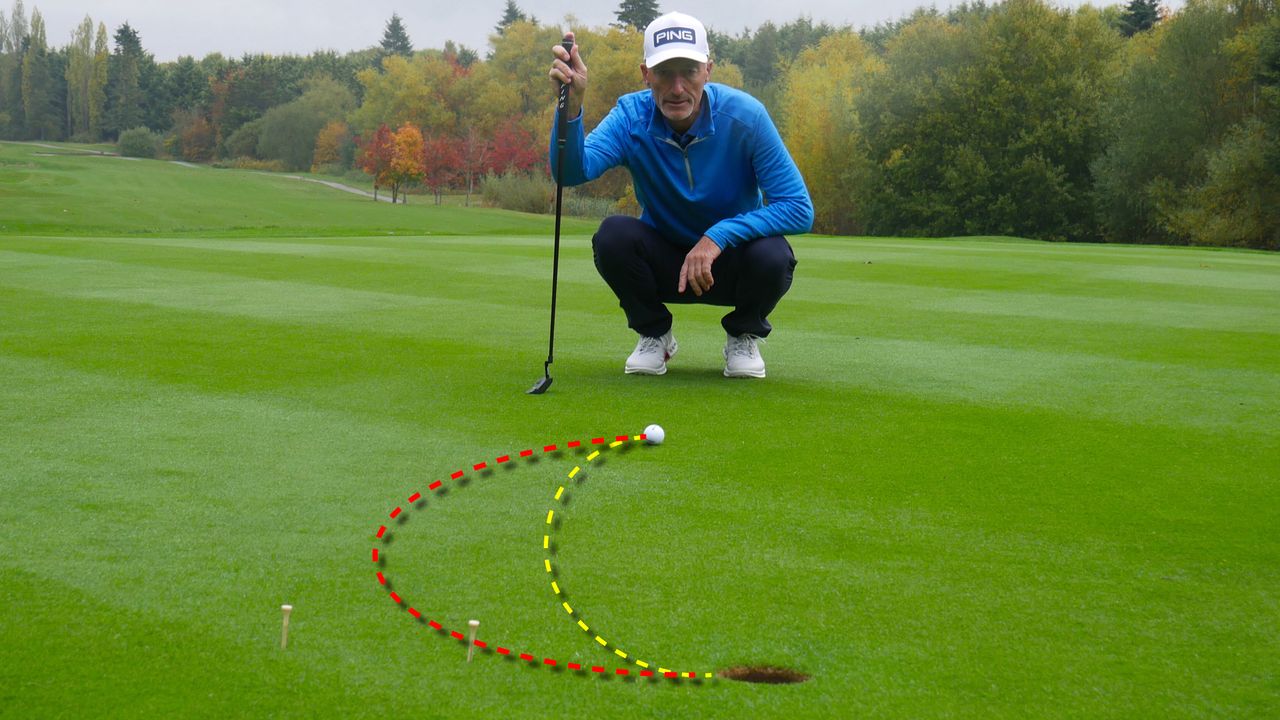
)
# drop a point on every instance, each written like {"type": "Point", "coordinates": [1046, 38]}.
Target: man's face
{"type": "Point", "coordinates": [677, 89]}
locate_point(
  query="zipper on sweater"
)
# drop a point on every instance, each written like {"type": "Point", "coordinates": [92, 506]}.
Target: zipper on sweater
{"type": "Point", "coordinates": [688, 169]}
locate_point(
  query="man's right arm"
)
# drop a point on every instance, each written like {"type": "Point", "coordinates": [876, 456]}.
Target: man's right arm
{"type": "Point", "coordinates": [586, 159]}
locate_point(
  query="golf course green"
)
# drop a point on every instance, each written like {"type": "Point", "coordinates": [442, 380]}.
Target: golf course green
{"type": "Point", "coordinates": [984, 478]}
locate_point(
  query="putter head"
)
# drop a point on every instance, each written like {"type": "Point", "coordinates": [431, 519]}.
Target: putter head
{"type": "Point", "coordinates": [540, 386]}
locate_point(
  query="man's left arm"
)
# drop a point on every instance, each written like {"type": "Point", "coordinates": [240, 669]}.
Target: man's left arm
{"type": "Point", "coordinates": [788, 211]}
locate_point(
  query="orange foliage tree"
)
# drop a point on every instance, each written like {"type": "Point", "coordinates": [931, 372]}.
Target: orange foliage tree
{"type": "Point", "coordinates": [406, 159]}
{"type": "Point", "coordinates": [329, 144]}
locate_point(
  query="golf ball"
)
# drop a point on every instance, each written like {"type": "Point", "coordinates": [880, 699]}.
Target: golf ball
{"type": "Point", "coordinates": [654, 434]}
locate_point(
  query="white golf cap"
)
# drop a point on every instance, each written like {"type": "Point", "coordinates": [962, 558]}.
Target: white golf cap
{"type": "Point", "coordinates": [675, 35]}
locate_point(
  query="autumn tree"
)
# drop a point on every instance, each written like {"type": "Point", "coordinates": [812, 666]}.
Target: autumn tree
{"type": "Point", "coordinates": [407, 152]}
{"type": "Point", "coordinates": [194, 138]}
{"type": "Point", "coordinates": [514, 148]}
{"type": "Point", "coordinates": [460, 55]}
{"type": "Point", "coordinates": [330, 145]}
{"type": "Point", "coordinates": [615, 57]}
{"type": "Point", "coordinates": [519, 61]}
{"type": "Point", "coordinates": [417, 90]}
{"type": "Point", "coordinates": [475, 147]}
{"type": "Point", "coordinates": [85, 76]}
{"type": "Point", "coordinates": [441, 164]}
{"type": "Point", "coordinates": [80, 77]}
{"type": "Point", "coordinates": [375, 156]}
{"type": "Point", "coordinates": [819, 121]}
{"type": "Point", "coordinates": [483, 97]}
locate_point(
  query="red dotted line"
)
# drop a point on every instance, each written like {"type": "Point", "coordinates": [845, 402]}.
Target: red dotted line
{"type": "Point", "coordinates": [527, 657]}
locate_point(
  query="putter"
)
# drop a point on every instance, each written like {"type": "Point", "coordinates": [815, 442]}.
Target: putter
{"type": "Point", "coordinates": [562, 128]}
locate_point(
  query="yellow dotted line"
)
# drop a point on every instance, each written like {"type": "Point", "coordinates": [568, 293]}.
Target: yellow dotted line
{"type": "Point", "coordinates": [555, 587]}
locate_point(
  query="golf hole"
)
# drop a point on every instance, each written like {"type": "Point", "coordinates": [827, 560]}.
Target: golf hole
{"type": "Point", "coordinates": [764, 674]}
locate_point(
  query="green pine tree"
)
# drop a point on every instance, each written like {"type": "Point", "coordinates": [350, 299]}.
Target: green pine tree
{"type": "Point", "coordinates": [124, 89]}
{"type": "Point", "coordinates": [512, 14]}
{"type": "Point", "coordinates": [636, 13]}
{"type": "Point", "coordinates": [395, 41]}
{"type": "Point", "coordinates": [1140, 15]}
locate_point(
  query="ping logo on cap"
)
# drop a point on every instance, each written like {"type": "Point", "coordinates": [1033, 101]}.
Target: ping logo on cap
{"type": "Point", "coordinates": [674, 34]}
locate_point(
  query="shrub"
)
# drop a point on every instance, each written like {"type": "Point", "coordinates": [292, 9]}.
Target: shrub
{"type": "Point", "coordinates": [244, 141]}
{"type": "Point", "coordinates": [1238, 203]}
{"type": "Point", "coordinates": [334, 169]}
{"type": "Point", "coordinates": [288, 134]}
{"type": "Point", "coordinates": [139, 142]}
{"type": "Point", "coordinates": [357, 177]}
{"type": "Point", "coordinates": [192, 137]}
{"type": "Point", "coordinates": [589, 207]}
{"type": "Point", "coordinates": [248, 163]}
{"type": "Point", "coordinates": [628, 204]}
{"type": "Point", "coordinates": [520, 192]}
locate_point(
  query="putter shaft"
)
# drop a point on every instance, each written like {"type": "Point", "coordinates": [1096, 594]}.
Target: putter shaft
{"type": "Point", "coordinates": [562, 127]}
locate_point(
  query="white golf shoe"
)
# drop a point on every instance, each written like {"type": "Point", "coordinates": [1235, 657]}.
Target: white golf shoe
{"type": "Point", "coordinates": [742, 357]}
{"type": "Point", "coordinates": [651, 355]}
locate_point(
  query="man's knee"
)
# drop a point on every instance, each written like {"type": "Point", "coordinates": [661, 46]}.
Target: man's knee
{"type": "Point", "coordinates": [769, 258]}
{"type": "Point", "coordinates": [617, 235]}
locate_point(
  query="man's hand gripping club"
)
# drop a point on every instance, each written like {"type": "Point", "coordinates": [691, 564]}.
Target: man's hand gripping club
{"type": "Point", "coordinates": [568, 69]}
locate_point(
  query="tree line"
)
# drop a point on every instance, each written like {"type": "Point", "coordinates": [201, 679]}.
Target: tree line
{"type": "Point", "coordinates": [1118, 124]}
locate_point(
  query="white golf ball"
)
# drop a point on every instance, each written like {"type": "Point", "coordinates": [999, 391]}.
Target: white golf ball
{"type": "Point", "coordinates": [654, 434]}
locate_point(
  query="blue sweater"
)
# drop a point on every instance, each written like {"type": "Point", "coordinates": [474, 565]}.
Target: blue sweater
{"type": "Point", "coordinates": [711, 187]}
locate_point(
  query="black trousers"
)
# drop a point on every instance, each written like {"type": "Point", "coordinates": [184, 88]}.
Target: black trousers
{"type": "Point", "coordinates": [643, 270]}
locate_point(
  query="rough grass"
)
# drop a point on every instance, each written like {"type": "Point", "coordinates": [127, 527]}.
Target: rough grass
{"type": "Point", "coordinates": [985, 478]}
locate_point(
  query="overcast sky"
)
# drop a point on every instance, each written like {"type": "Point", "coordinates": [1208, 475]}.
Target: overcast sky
{"type": "Point", "coordinates": [170, 28]}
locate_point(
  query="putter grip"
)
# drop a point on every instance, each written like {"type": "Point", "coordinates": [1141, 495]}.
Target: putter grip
{"type": "Point", "coordinates": [563, 102]}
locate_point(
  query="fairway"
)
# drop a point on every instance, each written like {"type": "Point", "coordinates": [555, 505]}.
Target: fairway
{"type": "Point", "coordinates": [986, 477]}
